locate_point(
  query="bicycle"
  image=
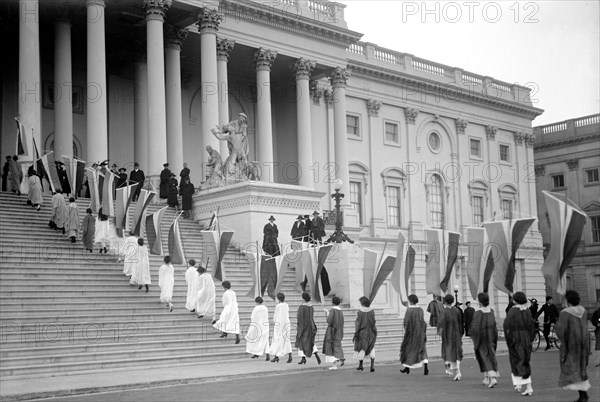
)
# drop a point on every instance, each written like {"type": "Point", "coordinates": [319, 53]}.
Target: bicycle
{"type": "Point", "coordinates": [539, 334]}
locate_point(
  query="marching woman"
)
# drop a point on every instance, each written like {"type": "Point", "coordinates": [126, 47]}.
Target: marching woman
{"type": "Point", "coordinates": [35, 190]}
{"type": "Point", "coordinates": [281, 344]}
{"type": "Point", "coordinates": [229, 320]}
{"type": "Point", "coordinates": [102, 233]}
{"type": "Point", "coordinates": [205, 302]}
{"type": "Point", "coordinates": [332, 343]}
{"type": "Point", "coordinates": [413, 352]}
{"type": "Point", "coordinates": [365, 334]}
{"type": "Point", "coordinates": [191, 278]}
{"type": "Point", "coordinates": [257, 338]}
{"type": "Point", "coordinates": [88, 228]}
{"type": "Point", "coordinates": [166, 281]}
{"type": "Point", "coordinates": [518, 331]}
{"type": "Point", "coordinates": [484, 334]}
{"type": "Point", "coordinates": [450, 327]}
{"type": "Point", "coordinates": [141, 270]}
{"type": "Point", "coordinates": [306, 331]}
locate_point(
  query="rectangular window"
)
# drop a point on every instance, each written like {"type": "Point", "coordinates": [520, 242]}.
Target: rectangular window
{"type": "Point", "coordinates": [504, 153]}
{"type": "Point", "coordinates": [356, 198]}
{"type": "Point", "coordinates": [393, 202]}
{"type": "Point", "coordinates": [391, 132]}
{"type": "Point", "coordinates": [591, 176]}
{"type": "Point", "coordinates": [597, 287]}
{"type": "Point", "coordinates": [558, 181]}
{"type": "Point", "coordinates": [352, 125]}
{"type": "Point", "coordinates": [507, 209]}
{"type": "Point", "coordinates": [595, 229]}
{"type": "Point", "coordinates": [475, 147]}
{"type": "Point", "coordinates": [477, 210]}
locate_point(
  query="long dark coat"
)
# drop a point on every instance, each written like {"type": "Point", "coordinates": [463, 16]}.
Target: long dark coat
{"type": "Point", "coordinates": [165, 176]}
{"type": "Point", "coordinates": [88, 228]}
{"type": "Point", "coordinates": [270, 244]}
{"type": "Point", "coordinates": [365, 331]}
{"type": "Point", "coordinates": [450, 327]}
{"type": "Point", "coordinates": [571, 329]}
{"type": "Point", "coordinates": [433, 308]}
{"type": "Point", "coordinates": [186, 191]}
{"type": "Point", "coordinates": [317, 228]}
{"type": "Point", "coordinates": [332, 343]}
{"type": "Point", "coordinates": [412, 349]}
{"type": "Point", "coordinates": [306, 329]}
{"type": "Point", "coordinates": [468, 318]}
{"type": "Point", "coordinates": [172, 193]}
{"type": "Point", "coordinates": [297, 231]}
{"type": "Point", "coordinates": [484, 333]}
{"type": "Point", "coordinates": [518, 332]}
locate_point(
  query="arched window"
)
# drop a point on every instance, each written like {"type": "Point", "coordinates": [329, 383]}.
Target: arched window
{"type": "Point", "coordinates": [508, 200]}
{"type": "Point", "coordinates": [436, 201]}
{"type": "Point", "coordinates": [478, 194]}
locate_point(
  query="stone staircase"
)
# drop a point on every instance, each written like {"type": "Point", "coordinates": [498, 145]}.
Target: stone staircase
{"type": "Point", "coordinates": [64, 310]}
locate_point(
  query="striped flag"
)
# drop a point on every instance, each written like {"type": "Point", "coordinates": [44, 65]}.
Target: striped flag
{"type": "Point", "coordinates": [75, 172]}
{"type": "Point", "coordinates": [442, 247]}
{"type": "Point", "coordinates": [122, 203]}
{"type": "Point", "coordinates": [255, 262]}
{"type": "Point", "coordinates": [505, 237]}
{"type": "Point", "coordinates": [214, 249]}
{"type": "Point", "coordinates": [48, 167]}
{"type": "Point", "coordinates": [139, 221]}
{"type": "Point", "coordinates": [404, 265]}
{"type": "Point", "coordinates": [154, 232]}
{"type": "Point", "coordinates": [39, 165]}
{"type": "Point", "coordinates": [296, 259]}
{"type": "Point", "coordinates": [21, 144]}
{"type": "Point", "coordinates": [108, 208]}
{"type": "Point", "coordinates": [317, 262]}
{"type": "Point", "coordinates": [92, 178]}
{"type": "Point", "coordinates": [566, 226]}
{"type": "Point", "coordinates": [176, 244]}
{"type": "Point", "coordinates": [480, 264]}
{"type": "Point", "coordinates": [377, 267]}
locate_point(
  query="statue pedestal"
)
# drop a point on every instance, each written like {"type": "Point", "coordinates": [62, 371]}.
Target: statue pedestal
{"type": "Point", "coordinates": [345, 268]}
{"type": "Point", "coordinates": [245, 207]}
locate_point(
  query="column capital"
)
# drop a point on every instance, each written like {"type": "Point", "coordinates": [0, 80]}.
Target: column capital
{"type": "Point", "coordinates": [461, 125]}
{"type": "Point", "coordinates": [540, 170]}
{"type": "Point", "coordinates": [101, 3]}
{"type": "Point", "coordinates": [339, 77]}
{"type": "Point", "coordinates": [411, 114]}
{"type": "Point", "coordinates": [519, 136]}
{"type": "Point", "coordinates": [573, 164]}
{"type": "Point", "coordinates": [491, 132]}
{"type": "Point", "coordinates": [328, 96]}
{"type": "Point", "coordinates": [224, 48]}
{"type": "Point", "coordinates": [316, 91]}
{"type": "Point", "coordinates": [208, 20]}
{"type": "Point", "coordinates": [174, 37]}
{"type": "Point", "coordinates": [302, 68]}
{"type": "Point", "coordinates": [373, 107]}
{"type": "Point", "coordinates": [529, 139]}
{"type": "Point", "coordinates": [156, 9]}
{"type": "Point", "coordinates": [264, 58]}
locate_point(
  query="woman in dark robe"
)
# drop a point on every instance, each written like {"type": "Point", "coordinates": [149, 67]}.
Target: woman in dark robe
{"type": "Point", "coordinates": [484, 334]}
{"type": "Point", "coordinates": [413, 352]}
{"type": "Point", "coordinates": [15, 175]}
{"type": "Point", "coordinates": [88, 228]}
{"type": "Point", "coordinates": [306, 331]}
{"type": "Point", "coordinates": [332, 343]}
{"type": "Point", "coordinates": [186, 191]}
{"type": "Point", "coordinates": [450, 328]}
{"type": "Point", "coordinates": [571, 329]}
{"type": "Point", "coordinates": [270, 234]}
{"type": "Point", "coordinates": [172, 200]}
{"type": "Point", "coordinates": [518, 332]}
{"type": "Point", "coordinates": [365, 334]}
{"type": "Point", "coordinates": [165, 177]}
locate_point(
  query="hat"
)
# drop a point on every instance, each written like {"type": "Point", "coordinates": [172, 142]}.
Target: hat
{"type": "Point", "coordinates": [104, 163]}
{"type": "Point", "coordinates": [136, 164]}
{"type": "Point", "coordinates": [166, 164]}
{"type": "Point", "coordinates": [306, 216]}
{"type": "Point", "coordinates": [122, 170]}
{"type": "Point", "coordinates": [114, 165]}
{"type": "Point", "coordinates": [300, 217]}
{"type": "Point", "coordinates": [172, 174]}
{"type": "Point", "coordinates": [271, 218]}
{"type": "Point", "coordinates": [316, 213]}
{"type": "Point", "coordinates": [60, 163]}
{"type": "Point", "coordinates": [243, 115]}
{"type": "Point", "coordinates": [8, 157]}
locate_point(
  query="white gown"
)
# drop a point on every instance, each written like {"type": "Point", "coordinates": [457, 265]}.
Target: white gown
{"type": "Point", "coordinates": [141, 269]}
{"type": "Point", "coordinates": [281, 344]}
{"type": "Point", "coordinates": [166, 281]}
{"type": "Point", "coordinates": [257, 338]}
{"type": "Point", "coordinates": [229, 320]}
{"type": "Point", "coordinates": [191, 278]}
{"type": "Point", "coordinates": [205, 303]}
{"type": "Point", "coordinates": [129, 251]}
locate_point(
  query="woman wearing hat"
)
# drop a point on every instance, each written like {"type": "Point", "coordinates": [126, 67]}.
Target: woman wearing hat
{"type": "Point", "coordinates": [165, 177]}
{"type": "Point", "coordinates": [270, 234]}
{"type": "Point", "coordinates": [297, 231]}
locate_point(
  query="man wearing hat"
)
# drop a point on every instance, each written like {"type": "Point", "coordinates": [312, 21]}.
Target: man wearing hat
{"type": "Point", "coordinates": [270, 233]}
{"type": "Point", "coordinates": [165, 176]}
{"type": "Point", "coordinates": [317, 229]}
{"type": "Point", "coordinates": [297, 232]}
{"type": "Point", "coordinates": [137, 176]}
{"type": "Point", "coordinates": [306, 231]}
{"type": "Point", "coordinates": [550, 317]}
{"type": "Point", "coordinates": [63, 178]}
{"type": "Point", "coordinates": [122, 180]}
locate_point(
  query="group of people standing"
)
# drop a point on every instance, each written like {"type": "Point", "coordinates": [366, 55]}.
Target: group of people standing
{"type": "Point", "coordinates": [304, 229]}
{"type": "Point", "coordinates": [170, 188]}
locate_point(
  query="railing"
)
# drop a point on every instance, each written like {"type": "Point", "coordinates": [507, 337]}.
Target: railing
{"type": "Point", "coordinates": [587, 120]}
{"type": "Point", "coordinates": [469, 79]}
{"type": "Point", "coordinates": [322, 7]}
{"type": "Point", "coordinates": [357, 48]}
{"type": "Point", "coordinates": [386, 56]}
{"type": "Point", "coordinates": [429, 67]}
{"type": "Point", "coordinates": [552, 128]}
{"type": "Point", "coordinates": [501, 87]}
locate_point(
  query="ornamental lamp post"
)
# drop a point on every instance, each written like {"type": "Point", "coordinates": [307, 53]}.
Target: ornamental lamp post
{"type": "Point", "coordinates": [338, 236]}
{"type": "Point", "coordinates": [456, 295]}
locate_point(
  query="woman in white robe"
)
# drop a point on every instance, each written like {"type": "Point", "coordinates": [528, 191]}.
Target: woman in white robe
{"type": "Point", "coordinates": [229, 320]}
{"type": "Point", "coordinates": [141, 270]}
{"type": "Point", "coordinates": [59, 212]}
{"type": "Point", "coordinates": [191, 278]}
{"type": "Point", "coordinates": [166, 281]}
{"type": "Point", "coordinates": [281, 344]}
{"type": "Point", "coordinates": [257, 338]}
{"type": "Point", "coordinates": [205, 302]}
{"type": "Point", "coordinates": [103, 233]}
{"type": "Point", "coordinates": [35, 191]}
{"type": "Point", "coordinates": [129, 252]}
{"type": "Point", "coordinates": [72, 225]}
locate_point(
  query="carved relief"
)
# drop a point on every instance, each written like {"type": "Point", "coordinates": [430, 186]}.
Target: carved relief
{"type": "Point", "coordinates": [339, 77]}
{"type": "Point", "coordinates": [519, 137]}
{"type": "Point", "coordinates": [316, 92]}
{"type": "Point", "coordinates": [302, 68]}
{"type": "Point", "coordinates": [461, 125]}
{"type": "Point", "coordinates": [208, 20]}
{"type": "Point", "coordinates": [411, 114]}
{"type": "Point", "coordinates": [224, 48]}
{"type": "Point", "coordinates": [491, 132]}
{"type": "Point", "coordinates": [573, 164]}
{"type": "Point", "coordinates": [175, 36]}
{"type": "Point", "coordinates": [373, 107]}
{"type": "Point", "coordinates": [263, 59]}
{"type": "Point", "coordinates": [156, 9]}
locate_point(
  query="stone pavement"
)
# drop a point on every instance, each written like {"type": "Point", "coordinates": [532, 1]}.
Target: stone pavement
{"type": "Point", "coordinates": [114, 380]}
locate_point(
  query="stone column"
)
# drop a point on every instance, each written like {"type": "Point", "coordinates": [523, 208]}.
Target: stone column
{"type": "Point", "coordinates": [263, 59]}
{"type": "Point", "coordinates": [140, 111]}
{"type": "Point", "coordinates": [157, 115]}
{"type": "Point", "coordinates": [338, 79]}
{"type": "Point", "coordinates": [208, 24]}
{"type": "Point", "coordinates": [175, 40]}
{"type": "Point", "coordinates": [30, 96]}
{"type": "Point", "coordinates": [63, 88]}
{"type": "Point", "coordinates": [302, 69]}
{"type": "Point", "coordinates": [96, 99]}
{"type": "Point", "coordinates": [224, 48]}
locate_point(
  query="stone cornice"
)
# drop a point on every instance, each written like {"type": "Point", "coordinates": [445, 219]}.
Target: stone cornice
{"type": "Point", "coordinates": [447, 91]}
{"type": "Point", "coordinates": [568, 141]}
{"type": "Point", "coordinates": [300, 25]}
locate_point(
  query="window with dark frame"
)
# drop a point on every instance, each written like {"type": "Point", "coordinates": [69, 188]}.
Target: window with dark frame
{"type": "Point", "coordinates": [507, 209]}
{"type": "Point", "coordinates": [475, 147]}
{"type": "Point", "coordinates": [393, 203]}
{"type": "Point", "coordinates": [477, 210]}
{"type": "Point", "coordinates": [504, 153]}
{"type": "Point", "coordinates": [391, 132]}
{"type": "Point", "coordinates": [592, 176]}
{"type": "Point", "coordinates": [352, 125]}
{"type": "Point", "coordinates": [595, 228]}
{"type": "Point", "coordinates": [356, 199]}
{"type": "Point", "coordinates": [558, 181]}
{"type": "Point", "coordinates": [436, 202]}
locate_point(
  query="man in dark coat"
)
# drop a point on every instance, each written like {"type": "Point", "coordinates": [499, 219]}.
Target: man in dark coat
{"type": "Point", "coordinates": [137, 176]}
{"type": "Point", "coordinates": [63, 178]}
{"type": "Point", "coordinates": [172, 192]}
{"type": "Point", "coordinates": [433, 308]}
{"type": "Point", "coordinates": [306, 229]}
{"type": "Point", "coordinates": [270, 233]}
{"type": "Point", "coordinates": [297, 231]}
{"type": "Point", "coordinates": [186, 191]}
{"type": "Point", "coordinates": [468, 317]}
{"type": "Point", "coordinates": [550, 316]}
{"type": "Point", "coordinates": [450, 328]}
{"type": "Point", "coordinates": [185, 172]}
{"type": "Point", "coordinates": [165, 176]}
{"type": "Point", "coordinates": [5, 170]}
{"type": "Point", "coordinates": [317, 229]}
{"type": "Point", "coordinates": [122, 180]}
